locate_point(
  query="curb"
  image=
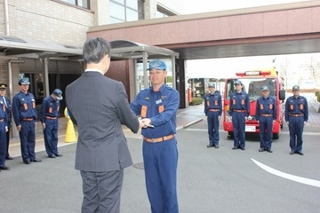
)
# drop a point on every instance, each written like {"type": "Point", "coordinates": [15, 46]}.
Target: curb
{"type": "Point", "coordinates": [191, 123]}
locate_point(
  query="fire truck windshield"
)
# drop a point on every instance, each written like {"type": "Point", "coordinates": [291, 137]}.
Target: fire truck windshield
{"type": "Point", "coordinates": [252, 86]}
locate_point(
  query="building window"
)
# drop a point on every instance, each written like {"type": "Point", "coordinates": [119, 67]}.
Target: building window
{"type": "Point", "coordinates": [80, 3]}
{"type": "Point", "coordinates": [126, 10]}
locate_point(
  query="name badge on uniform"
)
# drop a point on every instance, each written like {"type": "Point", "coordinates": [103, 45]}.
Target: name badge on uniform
{"type": "Point", "coordinates": [158, 101]}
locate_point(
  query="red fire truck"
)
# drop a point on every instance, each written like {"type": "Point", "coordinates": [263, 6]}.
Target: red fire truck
{"type": "Point", "coordinates": [252, 82]}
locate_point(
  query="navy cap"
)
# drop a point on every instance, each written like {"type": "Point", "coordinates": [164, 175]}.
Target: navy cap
{"type": "Point", "coordinates": [58, 94]}
{"type": "Point", "coordinates": [212, 85]}
{"type": "Point", "coordinates": [157, 64]}
{"type": "Point", "coordinates": [295, 87]}
{"type": "Point", "coordinates": [265, 88]}
{"type": "Point", "coordinates": [238, 82]}
{"type": "Point", "coordinates": [3, 86]}
{"type": "Point", "coordinates": [24, 81]}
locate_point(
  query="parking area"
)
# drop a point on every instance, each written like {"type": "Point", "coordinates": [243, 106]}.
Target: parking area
{"type": "Point", "coordinates": [209, 180]}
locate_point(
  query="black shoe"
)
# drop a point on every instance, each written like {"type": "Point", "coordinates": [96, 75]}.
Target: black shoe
{"type": "Point", "coordinates": [51, 156]}
{"type": "Point", "coordinates": [36, 160]}
{"type": "Point", "coordinates": [300, 153]}
{"type": "Point", "coordinates": [58, 155]}
{"type": "Point", "coordinates": [269, 150]}
{"type": "Point", "coordinates": [9, 158]}
{"type": "Point", "coordinates": [209, 146]}
{"type": "Point", "coordinates": [242, 148]}
{"type": "Point", "coordinates": [4, 168]}
{"type": "Point", "coordinates": [292, 152]}
{"type": "Point", "coordinates": [216, 146]}
{"type": "Point", "coordinates": [27, 161]}
{"type": "Point", "coordinates": [261, 149]}
{"type": "Point", "coordinates": [235, 147]}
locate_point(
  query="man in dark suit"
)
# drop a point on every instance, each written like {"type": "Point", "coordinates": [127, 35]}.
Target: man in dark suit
{"type": "Point", "coordinates": [7, 103]}
{"type": "Point", "coordinates": [99, 105]}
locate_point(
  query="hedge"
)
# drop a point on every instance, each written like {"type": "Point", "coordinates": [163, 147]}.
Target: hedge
{"type": "Point", "coordinates": [196, 101]}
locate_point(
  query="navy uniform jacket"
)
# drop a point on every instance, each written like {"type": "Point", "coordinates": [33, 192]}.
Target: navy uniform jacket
{"type": "Point", "coordinates": [212, 101]}
{"type": "Point", "coordinates": [49, 108]}
{"type": "Point", "coordinates": [160, 107]}
{"type": "Point", "coordinates": [23, 106]}
{"type": "Point", "coordinates": [266, 106]}
{"type": "Point", "coordinates": [297, 105]}
{"type": "Point", "coordinates": [239, 101]}
{"type": "Point", "coordinates": [3, 112]}
{"type": "Point", "coordinates": [8, 110]}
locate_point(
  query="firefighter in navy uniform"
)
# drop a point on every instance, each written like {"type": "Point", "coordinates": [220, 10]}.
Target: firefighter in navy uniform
{"type": "Point", "coordinates": [296, 116]}
{"type": "Point", "coordinates": [266, 114]}
{"type": "Point", "coordinates": [239, 110]}
{"type": "Point", "coordinates": [213, 110]}
{"type": "Point", "coordinates": [49, 119]}
{"type": "Point", "coordinates": [7, 103]}
{"type": "Point", "coordinates": [25, 115]}
{"type": "Point", "coordinates": [158, 106]}
{"type": "Point", "coordinates": [3, 130]}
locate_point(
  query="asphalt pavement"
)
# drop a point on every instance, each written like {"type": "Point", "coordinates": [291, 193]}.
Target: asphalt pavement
{"type": "Point", "coordinates": [209, 180]}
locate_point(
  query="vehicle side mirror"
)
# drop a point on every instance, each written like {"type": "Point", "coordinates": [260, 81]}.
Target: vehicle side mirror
{"type": "Point", "coordinates": [282, 94]}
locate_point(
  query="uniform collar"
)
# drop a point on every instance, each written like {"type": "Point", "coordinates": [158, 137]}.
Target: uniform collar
{"type": "Point", "coordinates": [161, 88]}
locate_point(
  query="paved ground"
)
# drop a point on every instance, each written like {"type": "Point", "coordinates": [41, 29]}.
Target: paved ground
{"type": "Point", "coordinates": [209, 180]}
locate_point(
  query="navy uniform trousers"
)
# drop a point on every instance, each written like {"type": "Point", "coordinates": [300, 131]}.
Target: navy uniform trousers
{"type": "Point", "coordinates": [296, 125]}
{"type": "Point", "coordinates": [3, 143]}
{"type": "Point", "coordinates": [51, 136]}
{"type": "Point", "coordinates": [213, 127]}
{"type": "Point", "coordinates": [265, 126]}
{"type": "Point", "coordinates": [160, 164]}
{"type": "Point", "coordinates": [27, 140]}
{"type": "Point", "coordinates": [239, 125]}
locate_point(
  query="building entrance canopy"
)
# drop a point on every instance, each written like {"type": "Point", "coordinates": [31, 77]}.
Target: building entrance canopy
{"type": "Point", "coordinates": [12, 48]}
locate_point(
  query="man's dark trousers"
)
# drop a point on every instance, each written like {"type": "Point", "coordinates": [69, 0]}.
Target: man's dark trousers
{"type": "Point", "coordinates": [110, 184]}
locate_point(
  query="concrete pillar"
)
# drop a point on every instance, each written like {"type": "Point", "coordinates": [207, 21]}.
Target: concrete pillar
{"type": "Point", "coordinates": [101, 12]}
{"type": "Point", "coordinates": [150, 9]}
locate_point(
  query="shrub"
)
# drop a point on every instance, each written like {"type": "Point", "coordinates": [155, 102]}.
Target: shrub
{"type": "Point", "coordinates": [196, 101]}
{"type": "Point", "coordinates": [317, 93]}
{"type": "Point", "coordinates": [318, 97]}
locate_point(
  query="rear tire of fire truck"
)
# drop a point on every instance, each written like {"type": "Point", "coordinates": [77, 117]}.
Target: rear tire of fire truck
{"type": "Point", "coordinates": [230, 135]}
{"type": "Point", "coordinates": [275, 136]}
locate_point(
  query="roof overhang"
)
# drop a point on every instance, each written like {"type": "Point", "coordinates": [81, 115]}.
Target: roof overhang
{"type": "Point", "coordinates": [16, 47]}
{"type": "Point", "coordinates": [124, 49]}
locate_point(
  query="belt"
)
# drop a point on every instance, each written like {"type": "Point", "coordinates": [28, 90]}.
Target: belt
{"type": "Point", "coordinates": [239, 110]}
{"type": "Point", "coordinates": [157, 140]}
{"type": "Point", "coordinates": [214, 110]}
{"type": "Point", "coordinates": [296, 115]}
{"type": "Point", "coordinates": [266, 115]}
{"type": "Point", "coordinates": [51, 118]}
{"type": "Point", "coordinates": [27, 119]}
{"type": "Point", "coordinates": [1, 120]}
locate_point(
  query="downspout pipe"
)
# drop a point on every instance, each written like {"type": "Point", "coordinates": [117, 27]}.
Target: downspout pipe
{"type": "Point", "coordinates": [6, 17]}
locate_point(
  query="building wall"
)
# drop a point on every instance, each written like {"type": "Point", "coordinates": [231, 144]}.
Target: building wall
{"type": "Point", "coordinates": [47, 20]}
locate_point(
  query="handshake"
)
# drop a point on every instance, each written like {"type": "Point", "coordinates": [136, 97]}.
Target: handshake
{"type": "Point", "coordinates": [145, 123]}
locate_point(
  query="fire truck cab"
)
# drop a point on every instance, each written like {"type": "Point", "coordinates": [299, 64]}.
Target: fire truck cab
{"type": "Point", "coordinates": [252, 82]}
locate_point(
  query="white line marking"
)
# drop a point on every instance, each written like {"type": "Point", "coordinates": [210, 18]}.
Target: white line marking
{"type": "Point", "coordinates": [298, 179]}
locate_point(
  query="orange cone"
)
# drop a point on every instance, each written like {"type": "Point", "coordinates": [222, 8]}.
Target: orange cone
{"type": "Point", "coordinates": [70, 132]}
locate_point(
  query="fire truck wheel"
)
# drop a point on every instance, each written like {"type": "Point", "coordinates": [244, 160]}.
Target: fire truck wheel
{"type": "Point", "coordinates": [230, 135]}
{"type": "Point", "coordinates": [275, 136]}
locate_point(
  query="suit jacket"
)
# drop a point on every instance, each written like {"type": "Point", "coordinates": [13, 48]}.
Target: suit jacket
{"type": "Point", "coordinates": [99, 105]}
